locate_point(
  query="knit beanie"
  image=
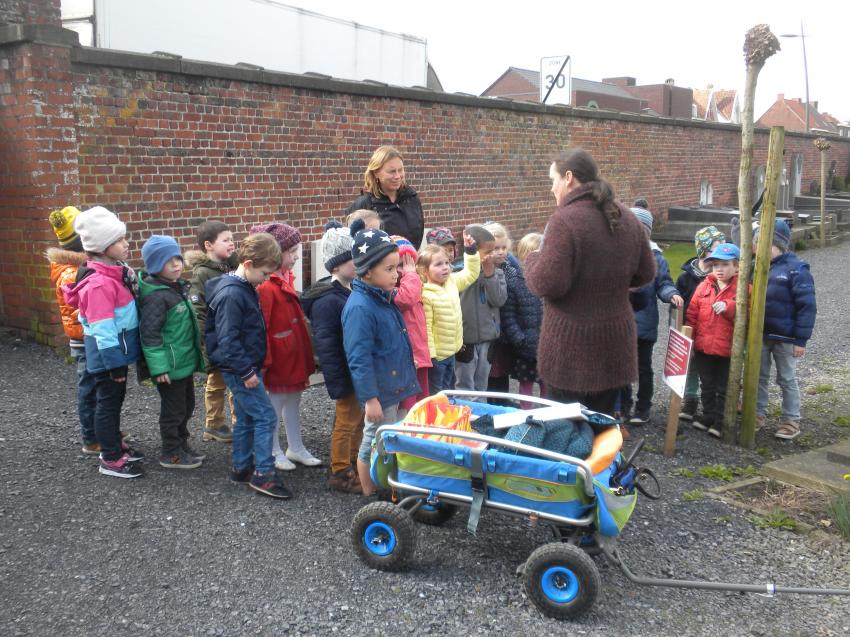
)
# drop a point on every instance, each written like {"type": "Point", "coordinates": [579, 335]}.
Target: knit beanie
{"type": "Point", "coordinates": [404, 246]}
{"type": "Point", "coordinates": [336, 245]}
{"type": "Point", "coordinates": [644, 216]}
{"type": "Point", "coordinates": [781, 235]}
{"type": "Point", "coordinates": [98, 228]}
{"type": "Point", "coordinates": [369, 247]}
{"type": "Point", "coordinates": [285, 235]}
{"type": "Point", "coordinates": [705, 238]}
{"type": "Point", "coordinates": [63, 225]}
{"type": "Point", "coordinates": [440, 236]}
{"type": "Point", "coordinates": [158, 251]}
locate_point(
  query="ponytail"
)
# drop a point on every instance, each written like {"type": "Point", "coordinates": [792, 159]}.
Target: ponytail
{"type": "Point", "coordinates": [603, 195]}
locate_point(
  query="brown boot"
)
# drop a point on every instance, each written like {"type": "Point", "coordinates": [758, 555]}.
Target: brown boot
{"type": "Point", "coordinates": [345, 481]}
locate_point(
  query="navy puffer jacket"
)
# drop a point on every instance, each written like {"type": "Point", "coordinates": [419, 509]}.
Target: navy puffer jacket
{"type": "Point", "coordinates": [663, 288]}
{"type": "Point", "coordinates": [323, 303]}
{"type": "Point", "coordinates": [235, 331]}
{"type": "Point", "coordinates": [521, 314]}
{"type": "Point", "coordinates": [790, 308]}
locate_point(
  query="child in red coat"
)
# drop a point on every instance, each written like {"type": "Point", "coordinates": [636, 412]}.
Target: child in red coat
{"type": "Point", "coordinates": [711, 314]}
{"type": "Point", "coordinates": [289, 354]}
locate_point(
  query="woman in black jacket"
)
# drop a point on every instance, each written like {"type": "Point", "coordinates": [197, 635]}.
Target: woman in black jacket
{"type": "Point", "coordinates": [385, 192]}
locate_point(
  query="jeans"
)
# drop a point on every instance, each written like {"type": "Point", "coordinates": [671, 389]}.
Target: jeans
{"type": "Point", "coordinates": [86, 397]}
{"type": "Point", "coordinates": [602, 401]}
{"type": "Point", "coordinates": [254, 428]}
{"type": "Point", "coordinates": [346, 434]}
{"type": "Point", "coordinates": [370, 428]}
{"type": "Point", "coordinates": [441, 375]}
{"type": "Point", "coordinates": [107, 414]}
{"type": "Point", "coordinates": [786, 378]}
{"type": "Point", "coordinates": [474, 374]}
{"type": "Point", "coordinates": [645, 382]}
{"type": "Point", "coordinates": [713, 376]}
{"type": "Point", "coordinates": [177, 404]}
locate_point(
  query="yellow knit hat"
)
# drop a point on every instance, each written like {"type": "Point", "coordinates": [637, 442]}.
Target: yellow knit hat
{"type": "Point", "coordinates": [63, 224]}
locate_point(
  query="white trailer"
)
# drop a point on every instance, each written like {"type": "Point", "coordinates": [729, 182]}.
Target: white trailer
{"type": "Point", "coordinates": [269, 34]}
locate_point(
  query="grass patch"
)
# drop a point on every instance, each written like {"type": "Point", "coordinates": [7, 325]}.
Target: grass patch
{"type": "Point", "coordinates": [727, 474]}
{"type": "Point", "coordinates": [839, 511]}
{"type": "Point", "coordinates": [764, 452]}
{"type": "Point", "coordinates": [823, 388]}
{"type": "Point", "coordinates": [676, 254]}
{"type": "Point", "coordinates": [842, 421]}
{"type": "Point", "coordinates": [682, 472]}
{"type": "Point", "coordinates": [648, 448]}
{"type": "Point", "coordinates": [776, 519]}
{"type": "Point", "coordinates": [722, 519]}
{"type": "Point", "coordinates": [807, 441]}
{"type": "Point", "coordinates": [693, 496]}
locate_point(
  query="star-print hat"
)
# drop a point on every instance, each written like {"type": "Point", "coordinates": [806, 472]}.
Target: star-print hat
{"type": "Point", "coordinates": [370, 247]}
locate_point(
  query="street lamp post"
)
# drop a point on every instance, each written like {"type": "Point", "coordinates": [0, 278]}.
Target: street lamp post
{"type": "Point", "coordinates": [802, 36]}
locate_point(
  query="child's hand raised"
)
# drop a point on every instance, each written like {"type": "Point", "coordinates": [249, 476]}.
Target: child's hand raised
{"type": "Point", "coordinates": [468, 241]}
{"type": "Point", "coordinates": [408, 264]}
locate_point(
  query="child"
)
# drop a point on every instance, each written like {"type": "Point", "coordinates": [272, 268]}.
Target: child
{"type": "Point", "coordinates": [371, 218]}
{"type": "Point", "coordinates": [236, 344]}
{"type": "Point", "coordinates": [693, 272]}
{"type": "Point", "coordinates": [789, 318]}
{"type": "Point", "coordinates": [521, 317]}
{"type": "Point", "coordinates": [107, 311]}
{"type": "Point", "coordinates": [444, 238]}
{"type": "Point", "coordinates": [480, 304]}
{"type": "Point", "coordinates": [647, 326]}
{"type": "Point", "coordinates": [171, 343]}
{"type": "Point", "coordinates": [408, 298]}
{"type": "Point", "coordinates": [323, 303]}
{"type": "Point", "coordinates": [289, 354]}
{"type": "Point", "coordinates": [64, 264]}
{"type": "Point", "coordinates": [376, 344]}
{"type": "Point", "coordinates": [441, 302]}
{"type": "Point", "coordinates": [216, 241]}
{"type": "Point", "coordinates": [711, 314]}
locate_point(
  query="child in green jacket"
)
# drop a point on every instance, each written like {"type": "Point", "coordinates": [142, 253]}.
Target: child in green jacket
{"type": "Point", "coordinates": [171, 342]}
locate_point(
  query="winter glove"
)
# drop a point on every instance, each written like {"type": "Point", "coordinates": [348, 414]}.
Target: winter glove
{"type": "Point", "coordinates": [719, 307]}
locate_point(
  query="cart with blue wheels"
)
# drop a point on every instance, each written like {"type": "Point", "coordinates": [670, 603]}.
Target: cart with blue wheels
{"type": "Point", "coordinates": [434, 473]}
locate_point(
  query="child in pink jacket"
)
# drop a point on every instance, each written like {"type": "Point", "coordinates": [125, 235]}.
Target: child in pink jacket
{"type": "Point", "coordinates": [409, 301]}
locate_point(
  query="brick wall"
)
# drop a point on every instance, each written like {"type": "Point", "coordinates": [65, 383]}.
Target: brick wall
{"type": "Point", "coordinates": [167, 143]}
{"type": "Point", "coordinates": [30, 12]}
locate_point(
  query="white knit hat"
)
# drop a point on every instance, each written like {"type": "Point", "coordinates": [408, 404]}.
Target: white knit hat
{"type": "Point", "coordinates": [98, 228]}
{"type": "Point", "coordinates": [336, 245]}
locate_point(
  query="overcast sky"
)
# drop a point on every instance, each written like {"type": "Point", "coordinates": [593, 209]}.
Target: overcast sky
{"type": "Point", "coordinates": [471, 43]}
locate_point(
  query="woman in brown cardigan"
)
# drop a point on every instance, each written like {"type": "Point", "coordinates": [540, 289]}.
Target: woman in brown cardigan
{"type": "Point", "coordinates": [593, 251]}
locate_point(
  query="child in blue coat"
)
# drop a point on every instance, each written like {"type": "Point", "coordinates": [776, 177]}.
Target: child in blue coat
{"type": "Point", "coordinates": [377, 347]}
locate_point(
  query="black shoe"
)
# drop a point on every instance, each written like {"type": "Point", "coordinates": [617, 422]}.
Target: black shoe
{"type": "Point", "coordinates": [242, 475]}
{"type": "Point", "coordinates": [121, 468]}
{"type": "Point", "coordinates": [133, 455]}
{"type": "Point", "coordinates": [187, 448]}
{"type": "Point", "coordinates": [179, 460]}
{"type": "Point", "coordinates": [639, 419]}
{"type": "Point", "coordinates": [269, 484]}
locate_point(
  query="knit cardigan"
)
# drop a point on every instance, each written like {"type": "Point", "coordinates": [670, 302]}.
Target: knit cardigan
{"type": "Point", "coordinates": [441, 303]}
{"type": "Point", "coordinates": [583, 273]}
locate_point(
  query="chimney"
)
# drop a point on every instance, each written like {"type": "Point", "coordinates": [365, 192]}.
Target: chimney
{"type": "Point", "coordinates": [780, 97]}
{"type": "Point", "coordinates": [815, 105]}
{"type": "Point", "coordinates": [670, 81]}
{"type": "Point", "coordinates": [620, 81]}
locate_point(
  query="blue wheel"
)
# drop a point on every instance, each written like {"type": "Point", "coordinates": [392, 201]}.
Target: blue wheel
{"type": "Point", "coordinates": [561, 580]}
{"type": "Point", "coordinates": [383, 536]}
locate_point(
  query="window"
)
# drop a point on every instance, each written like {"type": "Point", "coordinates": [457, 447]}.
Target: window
{"type": "Point", "coordinates": [592, 104]}
{"type": "Point", "coordinates": [706, 193]}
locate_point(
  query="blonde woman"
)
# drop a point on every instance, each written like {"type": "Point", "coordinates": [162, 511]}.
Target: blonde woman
{"type": "Point", "coordinates": [386, 192]}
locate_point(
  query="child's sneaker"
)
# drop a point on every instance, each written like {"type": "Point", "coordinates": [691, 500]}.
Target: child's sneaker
{"type": "Point", "coordinates": [91, 449]}
{"type": "Point", "coordinates": [179, 460]}
{"type": "Point", "coordinates": [269, 484]}
{"type": "Point", "coordinates": [241, 475]}
{"type": "Point", "coordinates": [696, 424]}
{"type": "Point", "coordinates": [191, 451]}
{"type": "Point", "coordinates": [217, 434]}
{"type": "Point", "coordinates": [133, 455]}
{"type": "Point", "coordinates": [689, 409]}
{"type": "Point", "coordinates": [714, 431]}
{"type": "Point", "coordinates": [121, 468]}
{"type": "Point", "coordinates": [639, 419]}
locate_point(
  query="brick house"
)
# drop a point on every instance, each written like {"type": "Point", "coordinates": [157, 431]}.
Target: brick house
{"type": "Point", "coordinates": [791, 113]}
{"type": "Point", "coordinates": [716, 105]}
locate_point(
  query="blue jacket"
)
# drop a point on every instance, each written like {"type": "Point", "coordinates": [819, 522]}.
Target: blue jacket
{"type": "Point", "coordinates": [790, 308]}
{"type": "Point", "coordinates": [235, 331]}
{"type": "Point", "coordinates": [377, 347]}
{"type": "Point", "coordinates": [663, 288]}
{"type": "Point", "coordinates": [323, 303]}
{"type": "Point", "coordinates": [521, 314]}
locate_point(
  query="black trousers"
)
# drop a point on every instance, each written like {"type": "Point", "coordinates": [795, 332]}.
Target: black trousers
{"type": "Point", "coordinates": [107, 413]}
{"type": "Point", "coordinates": [176, 408]}
{"type": "Point", "coordinates": [646, 385]}
{"type": "Point", "coordinates": [602, 402]}
{"type": "Point", "coordinates": [713, 376]}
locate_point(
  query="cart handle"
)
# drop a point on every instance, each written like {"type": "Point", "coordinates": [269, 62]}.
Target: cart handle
{"type": "Point", "coordinates": [506, 395]}
{"type": "Point", "coordinates": [584, 468]}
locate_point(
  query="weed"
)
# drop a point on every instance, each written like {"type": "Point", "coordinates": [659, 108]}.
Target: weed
{"type": "Point", "coordinates": [683, 472]}
{"type": "Point", "coordinates": [722, 519]}
{"type": "Point", "coordinates": [648, 448]}
{"type": "Point", "coordinates": [764, 452]}
{"type": "Point", "coordinates": [842, 421]}
{"type": "Point", "coordinates": [693, 496]}
{"type": "Point", "coordinates": [839, 511]}
{"type": "Point", "coordinates": [717, 472]}
{"type": "Point", "coordinates": [776, 519]}
{"type": "Point", "coordinates": [822, 388]}
{"type": "Point", "coordinates": [745, 472]}
{"type": "Point", "coordinates": [774, 410]}
{"type": "Point", "coordinates": [807, 441]}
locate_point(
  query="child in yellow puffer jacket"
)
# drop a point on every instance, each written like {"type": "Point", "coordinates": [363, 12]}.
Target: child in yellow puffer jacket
{"type": "Point", "coordinates": [441, 301]}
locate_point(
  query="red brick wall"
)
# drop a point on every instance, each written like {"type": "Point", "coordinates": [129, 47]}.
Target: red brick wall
{"type": "Point", "coordinates": [30, 12]}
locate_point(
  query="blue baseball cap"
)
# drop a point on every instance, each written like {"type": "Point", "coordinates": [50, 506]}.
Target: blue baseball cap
{"type": "Point", "coordinates": [724, 252]}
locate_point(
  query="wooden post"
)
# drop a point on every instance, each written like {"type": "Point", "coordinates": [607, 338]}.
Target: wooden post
{"type": "Point", "coordinates": [755, 327]}
{"type": "Point", "coordinates": [822, 145]}
{"type": "Point", "coordinates": [675, 400]}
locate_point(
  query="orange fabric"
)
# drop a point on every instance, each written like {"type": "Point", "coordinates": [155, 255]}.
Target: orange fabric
{"type": "Point", "coordinates": [64, 274]}
{"type": "Point", "coordinates": [436, 411]}
{"type": "Point", "coordinates": [606, 446]}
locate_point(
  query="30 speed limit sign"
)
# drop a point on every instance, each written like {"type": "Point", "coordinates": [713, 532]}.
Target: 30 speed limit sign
{"type": "Point", "coordinates": [555, 79]}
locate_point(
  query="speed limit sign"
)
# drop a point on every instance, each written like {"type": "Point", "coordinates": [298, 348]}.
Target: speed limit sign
{"type": "Point", "coordinates": [555, 80]}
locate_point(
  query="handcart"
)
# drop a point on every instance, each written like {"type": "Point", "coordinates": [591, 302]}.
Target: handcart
{"type": "Point", "coordinates": [435, 471]}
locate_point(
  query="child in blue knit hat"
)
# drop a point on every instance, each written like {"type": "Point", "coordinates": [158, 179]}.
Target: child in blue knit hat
{"type": "Point", "coordinates": [171, 343]}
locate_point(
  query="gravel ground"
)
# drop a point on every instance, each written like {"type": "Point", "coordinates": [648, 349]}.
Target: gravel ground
{"type": "Point", "coordinates": [189, 553]}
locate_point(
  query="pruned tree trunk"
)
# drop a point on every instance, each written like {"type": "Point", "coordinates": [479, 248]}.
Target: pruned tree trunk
{"type": "Point", "coordinates": [759, 45]}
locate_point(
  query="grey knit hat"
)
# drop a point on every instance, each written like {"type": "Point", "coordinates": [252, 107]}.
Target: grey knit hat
{"type": "Point", "coordinates": [370, 247]}
{"type": "Point", "coordinates": [336, 245]}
